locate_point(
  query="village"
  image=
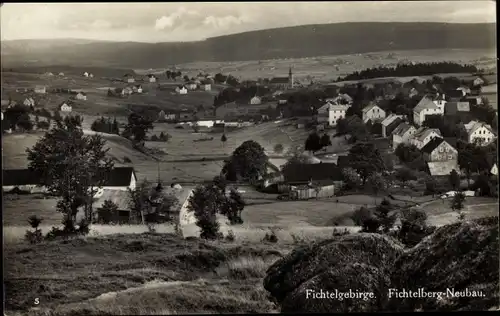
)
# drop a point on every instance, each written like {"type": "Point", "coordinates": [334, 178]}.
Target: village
{"type": "Point", "coordinates": [415, 139]}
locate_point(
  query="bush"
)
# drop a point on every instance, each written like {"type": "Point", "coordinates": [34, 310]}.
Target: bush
{"type": "Point", "coordinates": [230, 236]}
{"type": "Point", "coordinates": [413, 227]}
{"type": "Point", "coordinates": [361, 215]}
{"type": "Point", "coordinates": [154, 138]}
{"type": "Point", "coordinates": [126, 159]}
{"type": "Point", "coordinates": [271, 237]}
{"type": "Point", "coordinates": [35, 236]}
{"type": "Point", "coordinates": [68, 230]}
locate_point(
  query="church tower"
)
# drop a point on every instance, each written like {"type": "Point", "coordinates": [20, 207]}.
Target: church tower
{"type": "Point", "coordinates": [290, 78]}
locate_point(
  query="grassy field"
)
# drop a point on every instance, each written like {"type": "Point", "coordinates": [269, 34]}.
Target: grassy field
{"type": "Point", "coordinates": [327, 68]}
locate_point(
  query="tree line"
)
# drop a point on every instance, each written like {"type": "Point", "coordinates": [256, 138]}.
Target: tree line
{"type": "Point", "coordinates": [408, 70]}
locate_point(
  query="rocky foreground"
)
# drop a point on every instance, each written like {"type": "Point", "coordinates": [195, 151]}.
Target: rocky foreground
{"type": "Point", "coordinates": [461, 260]}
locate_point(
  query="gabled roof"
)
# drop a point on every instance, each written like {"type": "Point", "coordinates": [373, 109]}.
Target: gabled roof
{"type": "Point", "coordinates": [432, 145]}
{"type": "Point", "coordinates": [390, 119]}
{"type": "Point", "coordinates": [315, 172]}
{"type": "Point", "coordinates": [425, 103]}
{"type": "Point", "coordinates": [423, 132]}
{"type": "Point", "coordinates": [121, 198]}
{"type": "Point", "coordinates": [120, 177]}
{"type": "Point", "coordinates": [455, 94]}
{"type": "Point", "coordinates": [370, 106]}
{"type": "Point", "coordinates": [401, 129]}
{"type": "Point", "coordinates": [472, 126]}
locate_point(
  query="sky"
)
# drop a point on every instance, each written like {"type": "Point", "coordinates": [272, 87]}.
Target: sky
{"type": "Point", "coordinates": [191, 21]}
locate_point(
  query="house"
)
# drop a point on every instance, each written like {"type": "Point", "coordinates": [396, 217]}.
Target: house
{"type": "Point", "coordinates": [81, 96]}
{"type": "Point", "coordinates": [127, 91]}
{"type": "Point", "coordinates": [65, 107]}
{"type": "Point", "coordinates": [456, 108]}
{"type": "Point", "coordinates": [256, 100]}
{"type": "Point", "coordinates": [121, 199]}
{"type": "Point", "coordinates": [85, 74]}
{"type": "Point", "coordinates": [424, 135]}
{"type": "Point", "coordinates": [303, 174]}
{"type": "Point", "coordinates": [373, 112]}
{"type": "Point", "coordinates": [494, 169]}
{"type": "Point", "coordinates": [474, 100]}
{"type": "Point", "coordinates": [205, 86]}
{"type": "Point", "coordinates": [465, 90]}
{"type": "Point", "coordinates": [342, 98]}
{"type": "Point", "coordinates": [479, 133]}
{"type": "Point", "coordinates": [151, 78]}
{"type": "Point", "coordinates": [402, 134]}
{"type": "Point", "coordinates": [428, 106]}
{"type": "Point", "coordinates": [441, 157]}
{"type": "Point", "coordinates": [91, 75]}
{"type": "Point", "coordinates": [312, 190]}
{"type": "Point", "coordinates": [390, 123]}
{"type": "Point", "coordinates": [191, 85]}
{"type": "Point", "coordinates": [29, 102]}
{"type": "Point", "coordinates": [61, 74]}
{"type": "Point", "coordinates": [478, 82]}
{"type": "Point", "coordinates": [283, 83]}
{"type": "Point", "coordinates": [181, 90]}
{"type": "Point", "coordinates": [128, 78]}
{"type": "Point", "coordinates": [137, 88]}
{"type": "Point", "coordinates": [336, 112]}
{"type": "Point", "coordinates": [40, 89]}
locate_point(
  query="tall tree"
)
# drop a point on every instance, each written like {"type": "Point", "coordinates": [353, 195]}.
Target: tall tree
{"type": "Point", "coordinates": [138, 126]}
{"type": "Point", "coordinates": [325, 140]}
{"type": "Point", "coordinates": [313, 142]}
{"type": "Point", "coordinates": [247, 161]}
{"type": "Point", "coordinates": [377, 183]}
{"type": "Point", "coordinates": [223, 139]}
{"type": "Point", "coordinates": [71, 165]}
{"type": "Point", "coordinates": [365, 158]}
{"type": "Point", "coordinates": [457, 204]}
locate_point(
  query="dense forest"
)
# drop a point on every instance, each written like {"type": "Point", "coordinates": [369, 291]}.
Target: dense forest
{"type": "Point", "coordinates": [410, 70]}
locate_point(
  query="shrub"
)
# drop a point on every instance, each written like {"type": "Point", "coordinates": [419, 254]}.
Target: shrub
{"type": "Point", "coordinates": [297, 239]}
{"type": "Point", "coordinates": [126, 159]}
{"type": "Point", "coordinates": [338, 232]}
{"type": "Point", "coordinates": [413, 227]}
{"type": "Point", "coordinates": [154, 138]}
{"type": "Point", "coordinates": [361, 215]}
{"type": "Point", "coordinates": [35, 236]}
{"type": "Point", "coordinates": [107, 212]}
{"type": "Point", "coordinates": [271, 236]}
{"type": "Point", "coordinates": [68, 230]}
{"type": "Point", "coordinates": [230, 236]}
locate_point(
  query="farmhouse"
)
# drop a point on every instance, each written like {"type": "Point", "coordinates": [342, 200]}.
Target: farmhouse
{"type": "Point", "coordinates": [128, 78]}
{"type": "Point", "coordinates": [283, 83]}
{"type": "Point", "coordinates": [456, 108]}
{"type": "Point", "coordinates": [151, 78]}
{"type": "Point", "coordinates": [256, 100]}
{"type": "Point", "coordinates": [85, 74]}
{"type": "Point", "coordinates": [81, 96]}
{"type": "Point", "coordinates": [423, 135]}
{"type": "Point", "coordinates": [465, 90]}
{"type": "Point", "coordinates": [191, 85]}
{"type": "Point", "coordinates": [479, 133]}
{"type": "Point", "coordinates": [428, 106]}
{"type": "Point", "coordinates": [181, 90]}
{"type": "Point", "coordinates": [441, 157]}
{"type": "Point", "coordinates": [303, 174]}
{"type": "Point", "coordinates": [390, 123]}
{"type": "Point", "coordinates": [373, 113]}
{"type": "Point", "coordinates": [402, 134]}
{"type": "Point", "coordinates": [65, 106]}
{"type": "Point", "coordinates": [29, 102]}
{"type": "Point", "coordinates": [40, 89]}
{"type": "Point", "coordinates": [205, 86]}
{"type": "Point", "coordinates": [137, 88]}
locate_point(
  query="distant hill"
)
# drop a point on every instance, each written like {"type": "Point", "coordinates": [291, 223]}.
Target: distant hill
{"type": "Point", "coordinates": [288, 42]}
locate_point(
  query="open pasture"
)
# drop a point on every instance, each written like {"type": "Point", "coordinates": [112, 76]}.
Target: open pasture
{"type": "Point", "coordinates": [328, 68]}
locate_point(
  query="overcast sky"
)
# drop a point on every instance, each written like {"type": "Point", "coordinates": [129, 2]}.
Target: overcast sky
{"type": "Point", "coordinates": [188, 21]}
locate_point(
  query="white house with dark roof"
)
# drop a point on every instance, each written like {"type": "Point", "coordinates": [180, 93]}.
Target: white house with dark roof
{"type": "Point", "coordinates": [373, 113]}
{"type": "Point", "coordinates": [256, 100]}
{"type": "Point", "coordinates": [440, 156]}
{"type": "Point", "coordinates": [424, 135]}
{"type": "Point", "coordinates": [29, 101]}
{"type": "Point", "coordinates": [137, 88]}
{"type": "Point", "coordinates": [81, 96]}
{"type": "Point", "coordinates": [128, 78]}
{"type": "Point", "coordinates": [428, 106]}
{"type": "Point", "coordinates": [181, 90]}
{"type": "Point", "coordinates": [402, 134]}
{"type": "Point", "coordinates": [479, 133]}
{"type": "Point", "coordinates": [151, 78]}
{"type": "Point", "coordinates": [65, 107]}
{"type": "Point", "coordinates": [388, 121]}
{"type": "Point", "coordinates": [330, 113]}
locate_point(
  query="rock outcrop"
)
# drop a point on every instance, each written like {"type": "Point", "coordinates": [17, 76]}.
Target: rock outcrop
{"type": "Point", "coordinates": [358, 262]}
{"type": "Point", "coordinates": [462, 257]}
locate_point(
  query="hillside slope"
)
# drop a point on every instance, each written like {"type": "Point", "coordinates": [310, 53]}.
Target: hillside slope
{"type": "Point", "coordinates": [289, 42]}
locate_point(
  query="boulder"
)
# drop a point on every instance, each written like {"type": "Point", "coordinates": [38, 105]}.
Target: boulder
{"type": "Point", "coordinates": [358, 262]}
{"type": "Point", "coordinates": [461, 257]}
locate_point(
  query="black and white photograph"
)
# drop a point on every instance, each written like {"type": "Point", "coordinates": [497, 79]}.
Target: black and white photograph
{"type": "Point", "coordinates": [165, 158]}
